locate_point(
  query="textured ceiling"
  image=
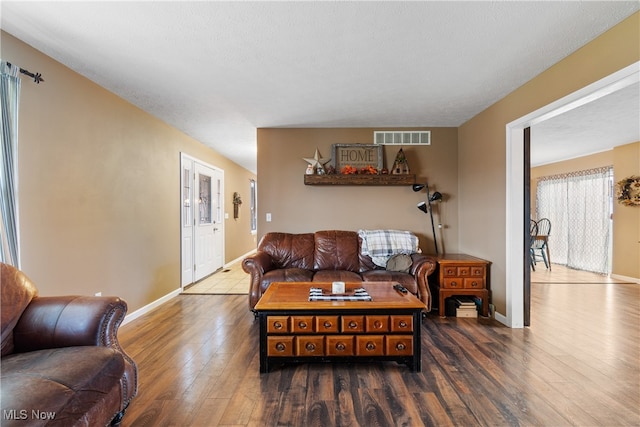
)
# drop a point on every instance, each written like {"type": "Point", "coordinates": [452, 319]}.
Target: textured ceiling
{"type": "Point", "coordinates": [219, 70]}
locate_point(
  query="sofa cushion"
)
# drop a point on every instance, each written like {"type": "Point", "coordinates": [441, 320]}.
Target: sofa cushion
{"type": "Point", "coordinates": [68, 382]}
{"type": "Point", "coordinates": [285, 275]}
{"type": "Point", "coordinates": [405, 279]}
{"type": "Point", "coordinates": [337, 250]}
{"type": "Point", "coordinates": [336, 276]}
{"type": "Point", "coordinates": [289, 250]}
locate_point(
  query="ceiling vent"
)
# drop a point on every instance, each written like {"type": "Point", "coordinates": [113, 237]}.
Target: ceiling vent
{"type": "Point", "coordinates": [395, 137]}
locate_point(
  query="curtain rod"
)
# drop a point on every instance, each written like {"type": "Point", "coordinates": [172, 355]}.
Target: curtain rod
{"type": "Point", "coordinates": [37, 77]}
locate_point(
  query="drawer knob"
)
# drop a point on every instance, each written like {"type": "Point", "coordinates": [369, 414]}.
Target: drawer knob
{"type": "Point", "coordinates": [310, 346]}
{"type": "Point", "coordinates": [277, 325]}
{"type": "Point", "coordinates": [400, 346]}
{"type": "Point", "coordinates": [370, 346]}
{"type": "Point", "coordinates": [327, 324]}
{"type": "Point", "coordinates": [403, 324]}
{"type": "Point", "coordinates": [340, 346]}
{"type": "Point", "coordinates": [302, 324]}
{"type": "Point", "coordinates": [353, 324]}
{"type": "Point", "coordinates": [454, 283]}
{"type": "Point", "coordinates": [377, 324]}
{"type": "Point", "coordinates": [280, 346]}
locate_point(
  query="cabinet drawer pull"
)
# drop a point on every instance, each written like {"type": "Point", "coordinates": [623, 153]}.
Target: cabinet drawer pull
{"type": "Point", "coordinates": [280, 346]}
{"type": "Point", "coordinates": [310, 346]}
{"type": "Point", "coordinates": [340, 346]}
{"type": "Point", "coordinates": [400, 346]}
{"type": "Point", "coordinates": [403, 324]}
{"type": "Point", "coordinates": [302, 324]}
{"type": "Point", "coordinates": [370, 346]}
{"type": "Point", "coordinates": [353, 324]}
{"type": "Point", "coordinates": [377, 324]}
{"type": "Point", "coordinates": [327, 324]}
{"type": "Point", "coordinates": [277, 325]}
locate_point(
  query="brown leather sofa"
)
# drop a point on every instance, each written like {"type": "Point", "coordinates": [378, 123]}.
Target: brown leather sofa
{"type": "Point", "coordinates": [327, 256]}
{"type": "Point", "coordinates": [61, 362]}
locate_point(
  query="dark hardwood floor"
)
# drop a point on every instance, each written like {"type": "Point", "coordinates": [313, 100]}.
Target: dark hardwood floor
{"type": "Point", "coordinates": [578, 364]}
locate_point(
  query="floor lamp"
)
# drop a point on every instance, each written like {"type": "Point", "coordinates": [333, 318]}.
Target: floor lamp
{"type": "Point", "coordinates": [429, 209]}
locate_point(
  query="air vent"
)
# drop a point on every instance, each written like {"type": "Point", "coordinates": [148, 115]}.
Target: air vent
{"type": "Point", "coordinates": [395, 137]}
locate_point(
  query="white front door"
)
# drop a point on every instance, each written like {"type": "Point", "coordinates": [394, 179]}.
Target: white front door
{"type": "Point", "coordinates": [202, 220]}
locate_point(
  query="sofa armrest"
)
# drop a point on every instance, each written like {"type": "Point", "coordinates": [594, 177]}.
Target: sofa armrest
{"type": "Point", "coordinates": [256, 265]}
{"type": "Point", "coordinates": [421, 268]}
{"type": "Point", "coordinates": [65, 321]}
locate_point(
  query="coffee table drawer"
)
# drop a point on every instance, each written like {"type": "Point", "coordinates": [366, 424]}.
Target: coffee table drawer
{"type": "Point", "coordinates": [399, 345]}
{"type": "Point", "coordinates": [370, 345]}
{"type": "Point", "coordinates": [309, 345]}
{"type": "Point", "coordinates": [340, 345]}
{"type": "Point", "coordinates": [352, 324]}
{"type": "Point", "coordinates": [278, 324]}
{"type": "Point", "coordinates": [280, 346]}
{"type": "Point", "coordinates": [377, 324]}
{"type": "Point", "coordinates": [325, 324]}
{"type": "Point", "coordinates": [401, 323]}
{"type": "Point", "coordinates": [301, 324]}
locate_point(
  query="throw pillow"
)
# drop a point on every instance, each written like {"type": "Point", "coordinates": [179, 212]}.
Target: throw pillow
{"type": "Point", "coordinates": [399, 262]}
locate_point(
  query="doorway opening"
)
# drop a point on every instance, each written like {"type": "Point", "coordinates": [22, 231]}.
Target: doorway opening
{"type": "Point", "coordinates": [516, 226]}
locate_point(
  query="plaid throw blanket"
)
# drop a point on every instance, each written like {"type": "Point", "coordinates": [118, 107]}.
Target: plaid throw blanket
{"type": "Point", "coordinates": [381, 245]}
{"type": "Point", "coordinates": [360, 294]}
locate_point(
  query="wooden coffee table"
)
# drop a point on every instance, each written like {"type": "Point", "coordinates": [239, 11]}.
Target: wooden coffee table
{"type": "Point", "coordinates": [294, 329]}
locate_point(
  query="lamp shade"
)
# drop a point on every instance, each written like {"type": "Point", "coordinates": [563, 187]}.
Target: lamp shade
{"type": "Point", "coordinates": [423, 207]}
{"type": "Point", "coordinates": [417, 187]}
{"type": "Point", "coordinates": [435, 196]}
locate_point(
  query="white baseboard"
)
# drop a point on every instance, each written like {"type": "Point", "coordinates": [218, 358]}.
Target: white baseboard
{"type": "Point", "coordinates": [240, 258]}
{"type": "Point", "coordinates": [147, 308]}
{"type": "Point", "coordinates": [625, 278]}
{"type": "Point", "coordinates": [500, 318]}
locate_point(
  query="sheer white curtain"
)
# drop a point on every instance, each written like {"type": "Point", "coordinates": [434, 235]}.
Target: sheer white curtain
{"type": "Point", "coordinates": [579, 207]}
{"type": "Point", "coordinates": [9, 96]}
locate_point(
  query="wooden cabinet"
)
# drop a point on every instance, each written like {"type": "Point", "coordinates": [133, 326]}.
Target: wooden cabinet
{"type": "Point", "coordinates": [460, 274]}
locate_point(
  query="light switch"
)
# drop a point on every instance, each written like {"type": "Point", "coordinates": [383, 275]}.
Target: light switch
{"type": "Point", "coordinates": [268, 216]}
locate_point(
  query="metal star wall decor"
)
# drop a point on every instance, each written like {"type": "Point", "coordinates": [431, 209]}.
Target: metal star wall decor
{"type": "Point", "coordinates": [317, 160]}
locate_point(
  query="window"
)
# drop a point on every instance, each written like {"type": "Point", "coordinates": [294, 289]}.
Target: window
{"type": "Point", "coordinates": [579, 206]}
{"type": "Point", "coordinates": [253, 208]}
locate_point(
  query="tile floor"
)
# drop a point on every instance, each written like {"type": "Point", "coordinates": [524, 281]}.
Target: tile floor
{"type": "Point", "coordinates": [229, 280]}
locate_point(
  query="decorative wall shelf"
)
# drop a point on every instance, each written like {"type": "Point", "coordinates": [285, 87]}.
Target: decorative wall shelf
{"type": "Point", "coordinates": [359, 179]}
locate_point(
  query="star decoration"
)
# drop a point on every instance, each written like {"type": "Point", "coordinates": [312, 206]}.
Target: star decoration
{"type": "Point", "coordinates": [316, 160]}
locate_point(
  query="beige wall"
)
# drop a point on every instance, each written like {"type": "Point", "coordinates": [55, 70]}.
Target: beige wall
{"type": "Point", "coordinates": [482, 146]}
{"type": "Point", "coordinates": [99, 188]}
{"type": "Point", "coordinates": [626, 219]}
{"type": "Point", "coordinates": [296, 207]}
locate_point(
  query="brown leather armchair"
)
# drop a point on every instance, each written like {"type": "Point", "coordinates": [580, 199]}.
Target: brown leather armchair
{"type": "Point", "coordinates": [62, 364]}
